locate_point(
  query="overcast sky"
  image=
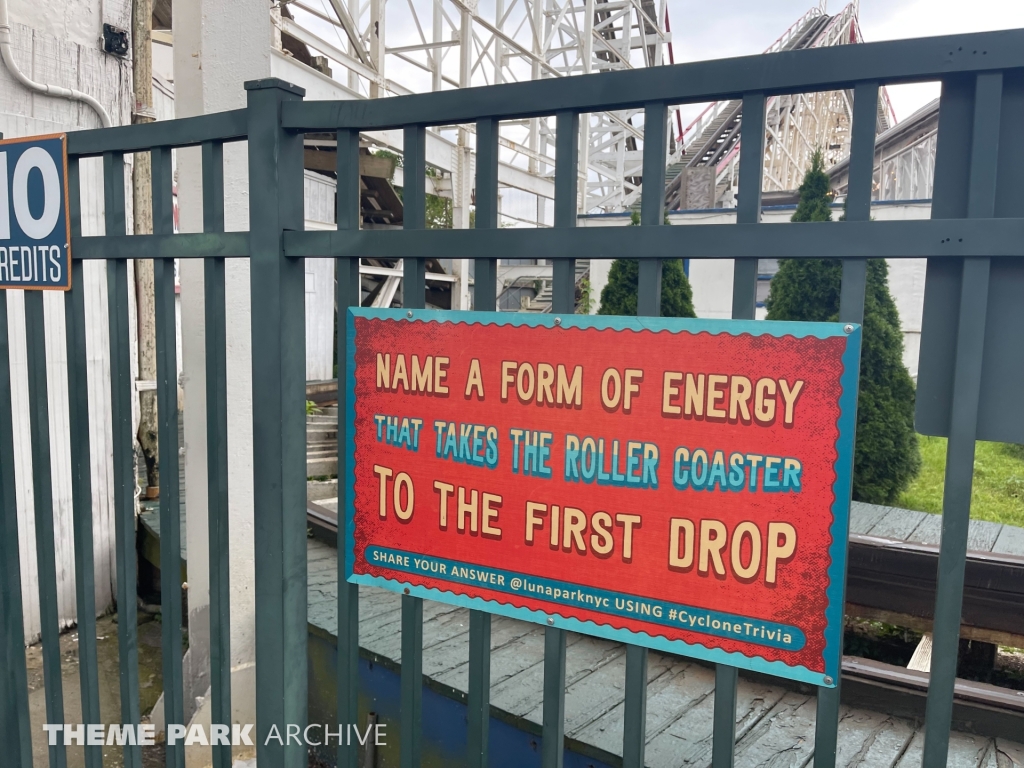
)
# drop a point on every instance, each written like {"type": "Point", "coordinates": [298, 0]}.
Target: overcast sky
{"type": "Point", "coordinates": [712, 30]}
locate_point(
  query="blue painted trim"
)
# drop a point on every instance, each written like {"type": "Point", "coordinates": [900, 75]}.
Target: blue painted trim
{"type": "Point", "coordinates": [841, 487]}
{"type": "Point", "coordinates": [776, 328]}
{"type": "Point", "coordinates": [350, 441]}
{"type": "Point", "coordinates": [503, 581]}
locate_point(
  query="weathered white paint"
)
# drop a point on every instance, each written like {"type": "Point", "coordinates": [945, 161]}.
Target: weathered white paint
{"type": "Point", "coordinates": [218, 45]}
{"type": "Point", "coordinates": [599, 270]}
{"type": "Point", "coordinates": [46, 58]}
{"type": "Point", "coordinates": [75, 21]}
{"type": "Point", "coordinates": [906, 281]}
{"type": "Point", "coordinates": [98, 372]}
{"type": "Point", "coordinates": [320, 214]}
{"type": "Point", "coordinates": [711, 279]}
{"type": "Point", "coordinates": [57, 42]}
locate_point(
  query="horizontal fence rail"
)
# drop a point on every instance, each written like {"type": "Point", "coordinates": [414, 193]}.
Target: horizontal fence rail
{"type": "Point", "coordinates": [800, 71]}
{"type": "Point", "coordinates": [182, 132]}
{"type": "Point", "coordinates": [971, 232]}
{"type": "Point", "coordinates": [950, 238]}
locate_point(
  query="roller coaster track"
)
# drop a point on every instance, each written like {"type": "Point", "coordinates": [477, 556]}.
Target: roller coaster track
{"type": "Point", "coordinates": [795, 124]}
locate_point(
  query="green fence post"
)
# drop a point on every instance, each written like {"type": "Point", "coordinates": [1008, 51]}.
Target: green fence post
{"type": "Point", "coordinates": [963, 424]}
{"type": "Point", "coordinates": [414, 149]}
{"type": "Point", "coordinates": [46, 560]}
{"type": "Point", "coordinates": [279, 424]}
{"type": "Point", "coordinates": [81, 476]}
{"type": "Point", "coordinates": [121, 386]}
{"type": "Point", "coordinates": [170, 487]}
{"type": "Point", "coordinates": [217, 453]}
{"type": "Point", "coordinates": [14, 713]}
{"type": "Point", "coordinates": [349, 293]}
{"type": "Point", "coordinates": [485, 277]}
{"type": "Point", "coordinates": [851, 310]}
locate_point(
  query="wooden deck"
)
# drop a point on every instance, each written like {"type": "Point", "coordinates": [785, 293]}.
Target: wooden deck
{"type": "Point", "coordinates": [775, 724]}
{"type": "Point", "coordinates": [925, 528]}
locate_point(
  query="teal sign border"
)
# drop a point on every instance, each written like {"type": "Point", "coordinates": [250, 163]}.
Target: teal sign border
{"type": "Point", "coordinates": [842, 487]}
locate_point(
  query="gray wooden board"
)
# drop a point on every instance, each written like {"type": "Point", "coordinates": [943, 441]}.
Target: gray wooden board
{"type": "Point", "coordinates": [1009, 755]}
{"type": "Point", "coordinates": [601, 691]}
{"type": "Point", "coordinates": [926, 528]}
{"type": "Point", "coordinates": [440, 622]}
{"type": "Point", "coordinates": [602, 696]}
{"type": "Point", "coordinates": [965, 751]}
{"type": "Point", "coordinates": [522, 694]}
{"type": "Point", "coordinates": [871, 739]}
{"type": "Point", "coordinates": [982, 535]}
{"type": "Point", "coordinates": [929, 531]}
{"type": "Point", "coordinates": [773, 725]}
{"type": "Point", "coordinates": [1010, 541]}
{"type": "Point", "coordinates": [897, 524]}
{"type": "Point", "coordinates": [864, 516]}
{"type": "Point", "coordinates": [504, 632]}
{"type": "Point", "coordinates": [687, 740]}
{"type": "Point", "coordinates": [786, 732]}
{"type": "Point", "coordinates": [679, 687]}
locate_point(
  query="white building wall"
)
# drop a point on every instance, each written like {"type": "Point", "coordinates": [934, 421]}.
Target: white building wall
{"type": "Point", "coordinates": [711, 279]}
{"type": "Point", "coordinates": [218, 45]}
{"type": "Point", "coordinates": [57, 42]}
{"type": "Point", "coordinates": [320, 214]}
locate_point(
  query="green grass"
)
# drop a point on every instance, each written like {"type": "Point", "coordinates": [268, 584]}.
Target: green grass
{"type": "Point", "coordinates": [998, 494]}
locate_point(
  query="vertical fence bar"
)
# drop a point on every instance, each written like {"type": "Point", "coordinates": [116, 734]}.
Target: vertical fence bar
{"type": "Point", "coordinates": [563, 291]}
{"type": "Point", "coordinates": [486, 270]}
{"type": "Point", "coordinates": [479, 703]}
{"type": "Point", "coordinates": [123, 447]}
{"type": "Point", "coordinates": [279, 423]}
{"type": "Point", "coordinates": [652, 205]}
{"type": "Point", "coordinates": [634, 723]}
{"type": "Point", "coordinates": [553, 734]}
{"type": "Point", "coordinates": [484, 299]}
{"type": "Point", "coordinates": [851, 310]}
{"type": "Point", "coordinates": [414, 198]}
{"type": "Point", "coordinates": [634, 738]}
{"type": "Point", "coordinates": [748, 202]}
{"type": "Point", "coordinates": [858, 198]}
{"type": "Point", "coordinates": [567, 164]}
{"type": "Point", "coordinates": [15, 727]}
{"type": "Point", "coordinates": [46, 560]}
{"type": "Point", "coordinates": [956, 500]}
{"type": "Point", "coordinates": [81, 476]}
{"type": "Point", "coordinates": [744, 301]}
{"type": "Point", "coordinates": [217, 453]}
{"type": "Point", "coordinates": [349, 294]}
{"type": "Point", "coordinates": [413, 297]}
{"type": "Point", "coordinates": [167, 435]}
{"type": "Point", "coordinates": [13, 675]}
{"type": "Point", "coordinates": [723, 737]}
{"type": "Point", "coordinates": [411, 719]}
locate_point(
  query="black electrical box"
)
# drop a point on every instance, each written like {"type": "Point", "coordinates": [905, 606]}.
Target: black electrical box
{"type": "Point", "coordinates": [115, 41]}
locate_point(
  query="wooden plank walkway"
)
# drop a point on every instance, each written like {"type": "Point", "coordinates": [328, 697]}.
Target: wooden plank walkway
{"type": "Point", "coordinates": [774, 725]}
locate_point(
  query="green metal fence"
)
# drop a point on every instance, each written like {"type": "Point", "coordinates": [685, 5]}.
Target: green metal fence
{"type": "Point", "coordinates": [977, 230]}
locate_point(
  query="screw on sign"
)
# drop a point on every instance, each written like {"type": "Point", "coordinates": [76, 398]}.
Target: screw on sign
{"type": "Point", "coordinates": [35, 234]}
